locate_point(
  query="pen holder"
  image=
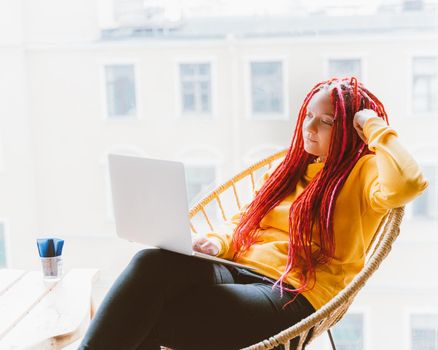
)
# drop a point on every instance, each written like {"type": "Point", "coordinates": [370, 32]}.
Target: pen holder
{"type": "Point", "coordinates": [51, 267]}
{"type": "Point", "coordinates": [50, 250]}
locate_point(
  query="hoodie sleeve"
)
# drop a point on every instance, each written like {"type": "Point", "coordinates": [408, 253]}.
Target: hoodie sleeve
{"type": "Point", "coordinates": [392, 177]}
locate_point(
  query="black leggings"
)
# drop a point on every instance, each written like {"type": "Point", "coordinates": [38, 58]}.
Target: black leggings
{"type": "Point", "coordinates": [187, 303]}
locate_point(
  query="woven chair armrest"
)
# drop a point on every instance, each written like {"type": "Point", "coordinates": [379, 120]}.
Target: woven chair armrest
{"type": "Point", "coordinates": [235, 179]}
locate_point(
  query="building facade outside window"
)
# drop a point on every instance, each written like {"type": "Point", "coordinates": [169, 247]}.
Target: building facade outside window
{"type": "Point", "coordinates": [196, 91]}
{"type": "Point", "coordinates": [257, 154]}
{"type": "Point", "coordinates": [426, 205]}
{"type": "Point", "coordinates": [1, 156]}
{"type": "Point", "coordinates": [2, 245]}
{"type": "Point", "coordinates": [267, 90]}
{"type": "Point", "coordinates": [425, 85]}
{"type": "Point", "coordinates": [200, 178]}
{"type": "Point", "coordinates": [342, 67]}
{"type": "Point", "coordinates": [348, 334]}
{"type": "Point", "coordinates": [424, 331]}
{"type": "Point", "coordinates": [120, 91]}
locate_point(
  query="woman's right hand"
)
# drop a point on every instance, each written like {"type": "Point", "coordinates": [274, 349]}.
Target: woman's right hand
{"type": "Point", "coordinates": [205, 245]}
{"type": "Point", "coordinates": [360, 119]}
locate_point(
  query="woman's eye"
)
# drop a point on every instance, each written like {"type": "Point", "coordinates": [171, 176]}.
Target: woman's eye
{"type": "Point", "coordinates": [327, 122]}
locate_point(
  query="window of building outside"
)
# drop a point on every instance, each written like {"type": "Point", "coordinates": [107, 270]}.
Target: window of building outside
{"type": "Point", "coordinates": [348, 334]}
{"type": "Point", "coordinates": [1, 156]}
{"type": "Point", "coordinates": [345, 67]}
{"type": "Point", "coordinates": [121, 99]}
{"type": "Point", "coordinates": [258, 154]}
{"type": "Point", "coordinates": [261, 152]}
{"type": "Point", "coordinates": [201, 179]}
{"type": "Point", "coordinates": [109, 196]}
{"type": "Point", "coordinates": [2, 245]}
{"type": "Point", "coordinates": [196, 93]}
{"type": "Point", "coordinates": [267, 95]}
{"type": "Point", "coordinates": [425, 84]}
{"type": "Point", "coordinates": [424, 332]}
{"type": "Point", "coordinates": [426, 205]}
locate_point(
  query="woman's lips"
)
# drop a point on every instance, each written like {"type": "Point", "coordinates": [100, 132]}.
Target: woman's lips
{"type": "Point", "coordinates": [310, 140]}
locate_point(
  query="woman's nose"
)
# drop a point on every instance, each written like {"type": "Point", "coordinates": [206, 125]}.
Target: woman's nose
{"type": "Point", "coordinates": [311, 125]}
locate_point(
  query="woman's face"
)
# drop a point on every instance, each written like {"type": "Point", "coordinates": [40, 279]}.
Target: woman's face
{"type": "Point", "coordinates": [318, 125]}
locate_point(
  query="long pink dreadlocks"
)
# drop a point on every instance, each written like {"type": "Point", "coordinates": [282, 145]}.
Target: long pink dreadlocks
{"type": "Point", "coordinates": [315, 205]}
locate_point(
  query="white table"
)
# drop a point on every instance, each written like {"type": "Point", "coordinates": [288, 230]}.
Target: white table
{"type": "Point", "coordinates": [37, 315]}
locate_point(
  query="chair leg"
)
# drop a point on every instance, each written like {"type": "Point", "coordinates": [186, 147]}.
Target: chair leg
{"type": "Point", "coordinates": [331, 339]}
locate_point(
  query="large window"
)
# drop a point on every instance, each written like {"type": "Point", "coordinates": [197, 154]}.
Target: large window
{"type": "Point", "coordinates": [200, 178]}
{"type": "Point", "coordinates": [425, 84]}
{"type": "Point", "coordinates": [349, 332]}
{"type": "Point", "coordinates": [196, 95]}
{"type": "Point", "coordinates": [342, 67]}
{"type": "Point", "coordinates": [261, 152]}
{"type": "Point", "coordinates": [121, 100]}
{"type": "Point", "coordinates": [256, 155]}
{"type": "Point", "coordinates": [1, 156]}
{"type": "Point", "coordinates": [424, 332]}
{"type": "Point", "coordinates": [426, 205]}
{"type": "Point", "coordinates": [2, 245]}
{"type": "Point", "coordinates": [267, 90]}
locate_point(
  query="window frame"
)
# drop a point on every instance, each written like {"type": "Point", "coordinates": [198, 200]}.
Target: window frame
{"type": "Point", "coordinates": [202, 163]}
{"type": "Point", "coordinates": [410, 85]}
{"type": "Point", "coordinates": [434, 195]}
{"type": "Point", "coordinates": [424, 156]}
{"type": "Point", "coordinates": [365, 311]}
{"type": "Point", "coordinates": [408, 312]}
{"type": "Point", "coordinates": [103, 63]}
{"type": "Point", "coordinates": [180, 115]}
{"type": "Point", "coordinates": [346, 56]}
{"type": "Point", "coordinates": [202, 155]}
{"type": "Point", "coordinates": [266, 117]}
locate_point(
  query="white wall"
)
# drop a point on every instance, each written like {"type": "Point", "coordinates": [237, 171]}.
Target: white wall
{"type": "Point", "coordinates": [11, 25]}
{"type": "Point", "coordinates": [17, 181]}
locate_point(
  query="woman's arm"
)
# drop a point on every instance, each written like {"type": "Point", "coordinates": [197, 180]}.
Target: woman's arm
{"type": "Point", "coordinates": [392, 178]}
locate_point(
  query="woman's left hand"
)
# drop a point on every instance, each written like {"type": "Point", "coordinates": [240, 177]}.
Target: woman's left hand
{"type": "Point", "coordinates": [360, 119]}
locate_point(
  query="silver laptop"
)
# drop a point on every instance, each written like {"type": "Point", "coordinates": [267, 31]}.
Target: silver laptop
{"type": "Point", "coordinates": [150, 204]}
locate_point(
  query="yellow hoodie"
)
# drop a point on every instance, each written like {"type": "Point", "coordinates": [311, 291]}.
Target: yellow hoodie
{"type": "Point", "coordinates": [387, 179]}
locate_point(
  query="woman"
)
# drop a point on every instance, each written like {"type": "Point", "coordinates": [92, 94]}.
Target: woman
{"type": "Point", "coordinates": [305, 232]}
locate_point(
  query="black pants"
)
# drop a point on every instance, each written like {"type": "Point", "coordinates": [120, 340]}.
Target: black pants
{"type": "Point", "coordinates": [187, 303]}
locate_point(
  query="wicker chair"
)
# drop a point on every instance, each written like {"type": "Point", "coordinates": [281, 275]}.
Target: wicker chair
{"type": "Point", "coordinates": [326, 317]}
